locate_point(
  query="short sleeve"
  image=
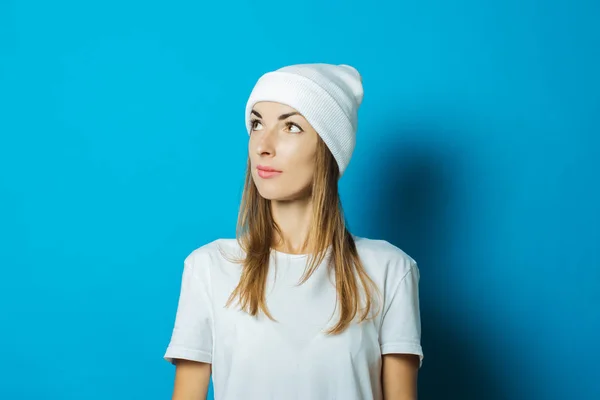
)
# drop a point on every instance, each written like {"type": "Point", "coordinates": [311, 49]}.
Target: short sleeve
{"type": "Point", "coordinates": [400, 331]}
{"type": "Point", "coordinates": [192, 335]}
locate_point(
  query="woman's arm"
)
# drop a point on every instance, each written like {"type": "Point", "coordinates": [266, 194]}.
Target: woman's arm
{"type": "Point", "coordinates": [399, 376]}
{"type": "Point", "coordinates": [191, 380]}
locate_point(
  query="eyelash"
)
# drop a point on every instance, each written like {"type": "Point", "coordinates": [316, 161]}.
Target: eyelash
{"type": "Point", "coordinates": [252, 121]}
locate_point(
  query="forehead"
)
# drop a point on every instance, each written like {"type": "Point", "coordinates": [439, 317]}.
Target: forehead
{"type": "Point", "coordinates": [272, 108]}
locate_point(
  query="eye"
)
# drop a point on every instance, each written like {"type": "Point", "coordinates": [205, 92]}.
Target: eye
{"type": "Point", "coordinates": [252, 124]}
{"type": "Point", "coordinates": [291, 124]}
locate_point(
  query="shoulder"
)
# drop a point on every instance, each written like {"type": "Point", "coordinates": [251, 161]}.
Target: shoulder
{"type": "Point", "coordinates": [213, 248]}
{"type": "Point", "coordinates": [213, 253]}
{"type": "Point", "coordinates": [384, 260]}
{"type": "Point", "coordinates": [218, 254]}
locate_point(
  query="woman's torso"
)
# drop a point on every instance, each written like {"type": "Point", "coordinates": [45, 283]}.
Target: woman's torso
{"type": "Point", "coordinates": [293, 357]}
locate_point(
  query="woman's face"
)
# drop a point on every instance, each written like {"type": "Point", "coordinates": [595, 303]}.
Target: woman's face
{"type": "Point", "coordinates": [282, 150]}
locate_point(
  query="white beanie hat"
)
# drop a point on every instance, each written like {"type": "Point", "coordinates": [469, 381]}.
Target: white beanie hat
{"type": "Point", "coordinates": [327, 95]}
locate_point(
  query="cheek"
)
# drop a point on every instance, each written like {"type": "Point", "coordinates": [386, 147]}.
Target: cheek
{"type": "Point", "coordinates": [300, 175]}
{"type": "Point", "coordinates": [299, 163]}
{"type": "Point", "coordinates": [251, 147]}
{"type": "Point", "coordinates": [253, 157]}
{"type": "Point", "coordinates": [296, 152]}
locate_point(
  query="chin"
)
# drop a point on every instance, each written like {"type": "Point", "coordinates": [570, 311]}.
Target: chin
{"type": "Point", "coordinates": [275, 195]}
{"type": "Point", "coordinates": [275, 190]}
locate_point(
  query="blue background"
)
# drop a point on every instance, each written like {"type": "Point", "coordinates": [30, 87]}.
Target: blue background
{"type": "Point", "coordinates": [122, 148]}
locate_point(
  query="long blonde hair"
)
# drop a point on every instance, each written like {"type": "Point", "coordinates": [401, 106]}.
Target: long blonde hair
{"type": "Point", "coordinates": [255, 235]}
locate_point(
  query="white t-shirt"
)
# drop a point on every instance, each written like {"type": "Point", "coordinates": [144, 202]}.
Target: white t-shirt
{"type": "Point", "coordinates": [292, 357]}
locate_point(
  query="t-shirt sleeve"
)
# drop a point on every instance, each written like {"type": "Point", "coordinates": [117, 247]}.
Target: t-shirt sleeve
{"type": "Point", "coordinates": [400, 331]}
{"type": "Point", "coordinates": [192, 334]}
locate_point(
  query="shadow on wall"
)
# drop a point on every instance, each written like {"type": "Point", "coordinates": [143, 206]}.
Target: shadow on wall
{"type": "Point", "coordinates": [416, 209]}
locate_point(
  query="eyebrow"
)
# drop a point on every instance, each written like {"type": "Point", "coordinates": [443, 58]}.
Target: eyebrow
{"type": "Point", "coordinates": [281, 117]}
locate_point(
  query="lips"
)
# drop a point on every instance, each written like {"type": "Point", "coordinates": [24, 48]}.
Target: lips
{"type": "Point", "coordinates": [267, 172]}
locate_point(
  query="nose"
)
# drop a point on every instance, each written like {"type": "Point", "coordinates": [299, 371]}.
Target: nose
{"type": "Point", "coordinates": [265, 145]}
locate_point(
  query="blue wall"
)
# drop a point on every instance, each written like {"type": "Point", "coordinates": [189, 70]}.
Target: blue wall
{"type": "Point", "coordinates": [122, 148]}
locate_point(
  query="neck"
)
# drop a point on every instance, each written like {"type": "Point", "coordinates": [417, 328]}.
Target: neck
{"type": "Point", "coordinates": [294, 219]}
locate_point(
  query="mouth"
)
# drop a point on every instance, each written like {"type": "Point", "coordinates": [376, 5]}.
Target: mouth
{"type": "Point", "coordinates": [267, 172]}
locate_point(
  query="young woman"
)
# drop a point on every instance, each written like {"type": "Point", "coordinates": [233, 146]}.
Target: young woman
{"type": "Point", "coordinates": [296, 307]}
